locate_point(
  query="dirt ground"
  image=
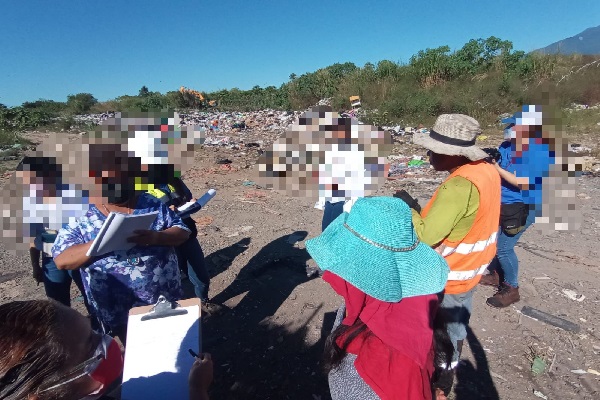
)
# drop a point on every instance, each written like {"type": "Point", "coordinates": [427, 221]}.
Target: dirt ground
{"type": "Point", "coordinates": [268, 345]}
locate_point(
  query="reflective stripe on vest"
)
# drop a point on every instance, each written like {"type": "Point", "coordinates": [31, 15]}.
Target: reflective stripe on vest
{"type": "Point", "coordinates": [467, 248]}
{"type": "Point", "coordinates": [466, 275]}
{"type": "Point", "coordinates": [468, 258]}
{"type": "Point", "coordinates": [163, 196]}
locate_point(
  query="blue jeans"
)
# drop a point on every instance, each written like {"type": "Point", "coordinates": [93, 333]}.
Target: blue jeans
{"type": "Point", "coordinates": [57, 283]}
{"type": "Point", "coordinates": [506, 260]}
{"type": "Point", "coordinates": [331, 212]}
{"type": "Point", "coordinates": [190, 254]}
{"type": "Point", "coordinates": [458, 309]}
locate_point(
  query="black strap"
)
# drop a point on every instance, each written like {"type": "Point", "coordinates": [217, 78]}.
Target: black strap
{"type": "Point", "coordinates": [451, 141]}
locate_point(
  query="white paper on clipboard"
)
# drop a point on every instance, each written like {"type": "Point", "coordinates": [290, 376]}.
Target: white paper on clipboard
{"type": "Point", "coordinates": [157, 358]}
{"type": "Point", "coordinates": [116, 229]}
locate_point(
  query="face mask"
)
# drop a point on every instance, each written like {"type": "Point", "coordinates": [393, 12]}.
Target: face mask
{"type": "Point", "coordinates": [104, 367]}
{"type": "Point", "coordinates": [117, 192]}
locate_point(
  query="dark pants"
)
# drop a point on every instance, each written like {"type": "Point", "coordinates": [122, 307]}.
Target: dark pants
{"type": "Point", "coordinates": [57, 283]}
{"type": "Point", "coordinates": [331, 212]}
{"type": "Point", "coordinates": [190, 255]}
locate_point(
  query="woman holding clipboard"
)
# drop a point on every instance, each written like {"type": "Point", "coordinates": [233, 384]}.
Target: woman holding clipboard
{"type": "Point", "coordinates": [119, 280]}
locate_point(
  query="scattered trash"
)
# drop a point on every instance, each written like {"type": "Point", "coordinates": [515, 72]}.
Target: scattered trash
{"type": "Point", "coordinates": [217, 141]}
{"type": "Point", "coordinates": [540, 395]}
{"type": "Point", "coordinates": [415, 163]}
{"type": "Point", "coordinates": [571, 294]}
{"type": "Point", "coordinates": [538, 366]}
{"type": "Point", "coordinates": [550, 319]}
{"type": "Point", "coordinates": [593, 372]}
{"type": "Point", "coordinates": [248, 183]}
{"type": "Point", "coordinates": [481, 137]}
{"type": "Point", "coordinates": [252, 144]}
{"type": "Point", "coordinates": [224, 161]}
{"type": "Point", "coordinates": [579, 371]}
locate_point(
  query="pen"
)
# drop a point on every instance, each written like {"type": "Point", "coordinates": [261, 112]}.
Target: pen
{"type": "Point", "coordinates": [193, 353]}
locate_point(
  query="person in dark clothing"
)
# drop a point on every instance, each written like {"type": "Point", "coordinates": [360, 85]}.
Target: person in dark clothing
{"type": "Point", "coordinates": [189, 254]}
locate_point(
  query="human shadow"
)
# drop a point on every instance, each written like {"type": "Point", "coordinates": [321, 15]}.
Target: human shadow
{"type": "Point", "coordinates": [474, 382]}
{"type": "Point", "coordinates": [217, 262]}
{"type": "Point", "coordinates": [261, 356]}
{"type": "Point", "coordinates": [222, 259]}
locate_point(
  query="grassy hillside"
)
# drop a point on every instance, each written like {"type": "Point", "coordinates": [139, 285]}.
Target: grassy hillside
{"type": "Point", "coordinates": [484, 78]}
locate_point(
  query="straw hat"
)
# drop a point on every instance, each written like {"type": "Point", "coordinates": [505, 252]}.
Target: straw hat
{"type": "Point", "coordinates": [375, 248]}
{"type": "Point", "coordinates": [453, 135]}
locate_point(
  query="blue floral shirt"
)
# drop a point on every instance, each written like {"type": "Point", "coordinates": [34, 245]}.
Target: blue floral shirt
{"type": "Point", "coordinates": [117, 281]}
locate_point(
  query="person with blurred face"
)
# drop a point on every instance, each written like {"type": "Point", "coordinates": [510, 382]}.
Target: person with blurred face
{"type": "Point", "coordinates": [46, 208]}
{"type": "Point", "coordinates": [461, 220]}
{"type": "Point", "coordinates": [41, 358]}
{"type": "Point", "coordinates": [525, 160]}
{"type": "Point", "coordinates": [117, 281]}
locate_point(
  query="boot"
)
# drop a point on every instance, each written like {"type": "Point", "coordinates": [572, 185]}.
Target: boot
{"type": "Point", "coordinates": [506, 296]}
{"type": "Point", "coordinates": [491, 279]}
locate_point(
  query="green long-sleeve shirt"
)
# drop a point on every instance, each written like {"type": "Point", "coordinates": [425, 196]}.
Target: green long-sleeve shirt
{"type": "Point", "coordinates": [451, 215]}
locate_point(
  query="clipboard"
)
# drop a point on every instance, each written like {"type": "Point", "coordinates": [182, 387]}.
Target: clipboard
{"type": "Point", "coordinates": [157, 360]}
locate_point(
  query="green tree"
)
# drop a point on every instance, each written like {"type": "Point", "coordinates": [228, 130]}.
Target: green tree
{"type": "Point", "coordinates": [144, 92]}
{"type": "Point", "coordinates": [80, 103]}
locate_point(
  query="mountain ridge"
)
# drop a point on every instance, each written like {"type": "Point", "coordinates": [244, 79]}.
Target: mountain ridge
{"type": "Point", "coordinates": [586, 43]}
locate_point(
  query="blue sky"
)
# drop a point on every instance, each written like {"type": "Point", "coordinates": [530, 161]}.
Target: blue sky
{"type": "Point", "coordinates": [50, 49]}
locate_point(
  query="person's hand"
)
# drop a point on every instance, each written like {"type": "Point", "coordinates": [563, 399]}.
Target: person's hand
{"type": "Point", "coordinates": [408, 199]}
{"type": "Point", "coordinates": [173, 208]}
{"type": "Point", "coordinates": [145, 238]}
{"type": "Point", "coordinates": [201, 376]}
{"type": "Point", "coordinates": [38, 274]}
{"type": "Point", "coordinates": [496, 165]}
{"type": "Point", "coordinates": [439, 394]}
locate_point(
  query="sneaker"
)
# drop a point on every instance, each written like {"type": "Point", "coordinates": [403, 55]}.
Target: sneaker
{"type": "Point", "coordinates": [506, 296]}
{"type": "Point", "coordinates": [491, 279]}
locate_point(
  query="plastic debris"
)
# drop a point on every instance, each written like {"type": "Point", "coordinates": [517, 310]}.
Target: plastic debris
{"type": "Point", "coordinates": [539, 394]}
{"type": "Point", "coordinates": [571, 294]}
{"type": "Point", "coordinates": [579, 371]}
{"type": "Point", "coordinates": [415, 163]}
{"type": "Point", "coordinates": [593, 372]}
{"type": "Point", "coordinates": [538, 366]}
{"type": "Point", "coordinates": [550, 319]}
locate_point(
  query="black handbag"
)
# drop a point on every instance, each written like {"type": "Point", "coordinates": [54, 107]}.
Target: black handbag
{"type": "Point", "coordinates": [513, 217]}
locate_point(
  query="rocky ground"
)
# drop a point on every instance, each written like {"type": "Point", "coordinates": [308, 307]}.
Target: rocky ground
{"type": "Point", "coordinates": [268, 345]}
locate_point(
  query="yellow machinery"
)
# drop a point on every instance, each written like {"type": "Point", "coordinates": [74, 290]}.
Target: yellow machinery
{"type": "Point", "coordinates": [197, 95]}
{"type": "Point", "coordinates": [355, 102]}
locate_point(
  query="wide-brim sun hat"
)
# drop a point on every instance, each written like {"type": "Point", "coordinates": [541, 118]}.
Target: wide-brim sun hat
{"type": "Point", "coordinates": [453, 135]}
{"type": "Point", "coordinates": [376, 249]}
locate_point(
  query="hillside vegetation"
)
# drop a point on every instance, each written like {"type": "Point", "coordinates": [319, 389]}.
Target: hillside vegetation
{"type": "Point", "coordinates": [484, 78]}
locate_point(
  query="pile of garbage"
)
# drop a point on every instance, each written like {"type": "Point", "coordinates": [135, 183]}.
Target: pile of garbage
{"type": "Point", "coordinates": [399, 130]}
{"type": "Point", "coordinates": [235, 130]}
{"type": "Point", "coordinates": [93, 119]}
{"type": "Point", "coordinates": [402, 165]}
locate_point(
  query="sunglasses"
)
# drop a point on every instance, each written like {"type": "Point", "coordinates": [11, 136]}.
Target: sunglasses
{"type": "Point", "coordinates": [88, 367]}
